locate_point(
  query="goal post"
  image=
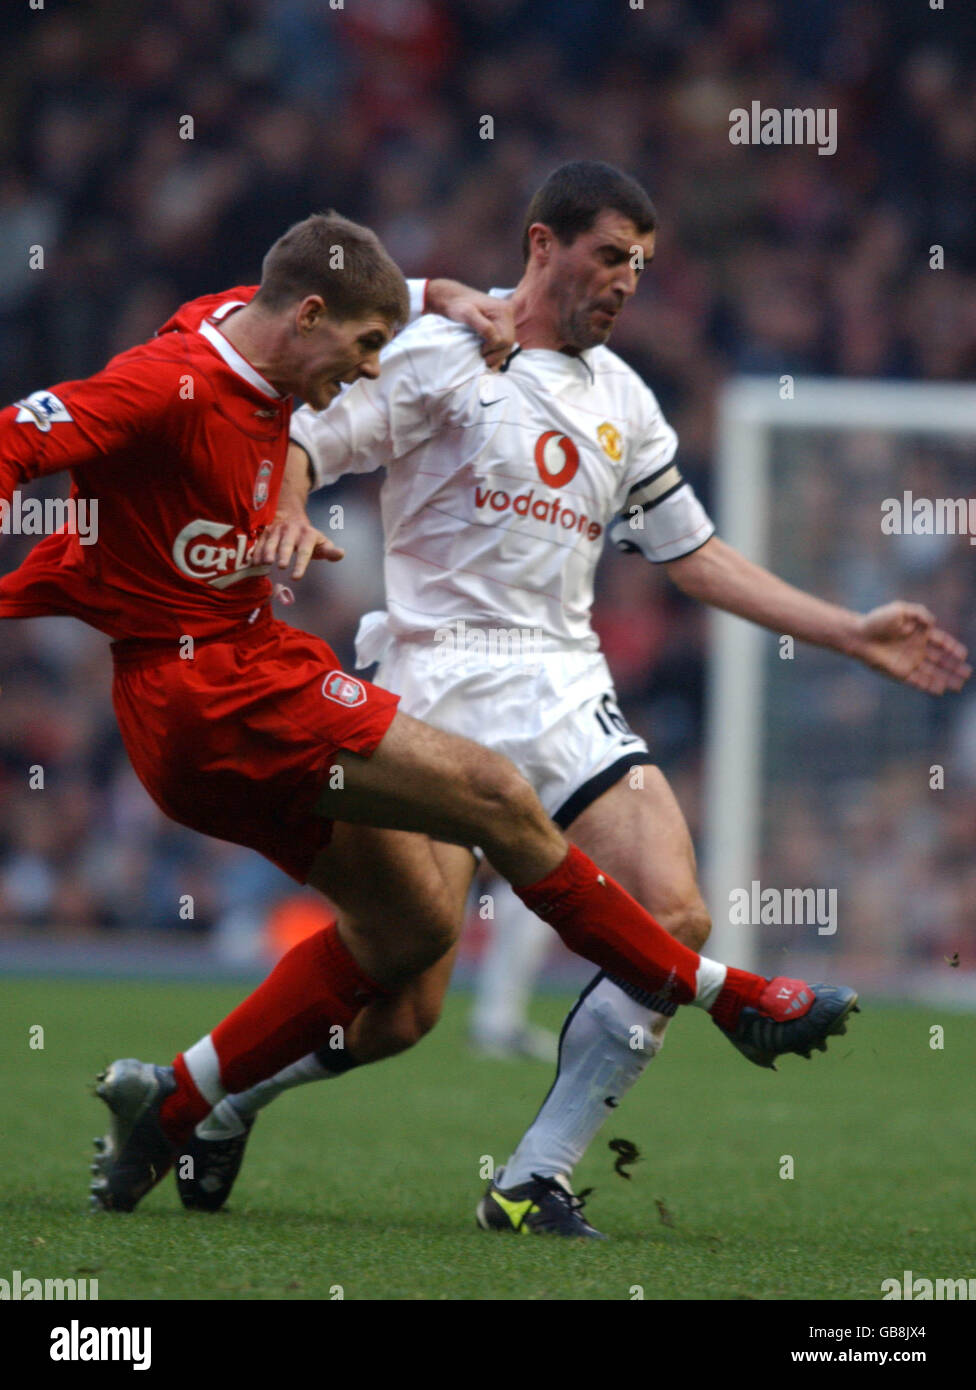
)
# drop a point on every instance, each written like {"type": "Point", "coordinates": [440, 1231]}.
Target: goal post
{"type": "Point", "coordinates": [797, 740]}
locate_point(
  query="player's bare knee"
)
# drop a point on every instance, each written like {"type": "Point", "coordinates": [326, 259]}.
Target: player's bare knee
{"type": "Point", "coordinates": [402, 1033]}
{"type": "Point", "coordinates": [443, 924]}
{"type": "Point", "coordinates": [436, 943]}
{"type": "Point", "coordinates": [506, 804]}
{"type": "Point", "coordinates": [428, 933]}
{"type": "Point", "coordinates": [688, 921]}
{"type": "Point", "coordinates": [425, 1016]}
{"type": "Point", "coordinates": [385, 1040]}
{"type": "Point", "coordinates": [697, 925]}
{"type": "Point", "coordinates": [415, 1014]}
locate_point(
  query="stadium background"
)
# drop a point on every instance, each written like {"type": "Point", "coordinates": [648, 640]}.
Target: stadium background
{"type": "Point", "coordinates": [770, 260]}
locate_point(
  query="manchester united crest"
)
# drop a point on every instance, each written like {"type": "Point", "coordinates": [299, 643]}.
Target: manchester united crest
{"type": "Point", "coordinates": [610, 441]}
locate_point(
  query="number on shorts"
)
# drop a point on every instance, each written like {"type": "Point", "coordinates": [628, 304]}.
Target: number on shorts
{"type": "Point", "coordinates": [609, 718]}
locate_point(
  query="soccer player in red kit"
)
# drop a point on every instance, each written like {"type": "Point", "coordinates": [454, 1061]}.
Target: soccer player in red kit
{"type": "Point", "coordinates": [236, 723]}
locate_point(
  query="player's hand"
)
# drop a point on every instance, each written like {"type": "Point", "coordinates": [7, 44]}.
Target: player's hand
{"type": "Point", "coordinates": [292, 540]}
{"type": "Point", "coordinates": [902, 641]}
{"type": "Point", "coordinates": [492, 319]}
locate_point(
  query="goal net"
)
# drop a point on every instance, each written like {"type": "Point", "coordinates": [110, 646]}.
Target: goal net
{"type": "Point", "coordinates": [840, 807]}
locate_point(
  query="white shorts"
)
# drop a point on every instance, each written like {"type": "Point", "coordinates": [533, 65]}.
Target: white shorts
{"type": "Point", "coordinates": [555, 716]}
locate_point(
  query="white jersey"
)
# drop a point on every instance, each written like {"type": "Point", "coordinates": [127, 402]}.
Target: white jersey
{"type": "Point", "coordinates": [501, 486]}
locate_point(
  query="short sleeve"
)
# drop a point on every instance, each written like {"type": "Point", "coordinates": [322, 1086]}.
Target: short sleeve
{"type": "Point", "coordinates": [351, 436]}
{"type": "Point", "coordinates": [660, 515]}
{"type": "Point", "coordinates": [76, 423]}
{"type": "Point", "coordinates": [417, 290]}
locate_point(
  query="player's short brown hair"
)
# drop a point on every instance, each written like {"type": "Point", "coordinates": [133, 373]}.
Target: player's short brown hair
{"type": "Point", "coordinates": [345, 263]}
{"type": "Point", "coordinates": [574, 195]}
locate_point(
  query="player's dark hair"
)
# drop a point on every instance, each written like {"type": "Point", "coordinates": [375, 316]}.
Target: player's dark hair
{"type": "Point", "coordinates": [574, 195]}
{"type": "Point", "coordinates": [343, 262]}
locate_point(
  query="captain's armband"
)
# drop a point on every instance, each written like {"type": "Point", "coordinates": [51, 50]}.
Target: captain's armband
{"type": "Point", "coordinates": [662, 518]}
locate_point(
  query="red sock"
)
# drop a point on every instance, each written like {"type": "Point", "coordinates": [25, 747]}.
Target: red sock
{"type": "Point", "coordinates": [598, 920]}
{"type": "Point", "coordinates": [316, 986]}
{"type": "Point", "coordinates": [740, 988]}
{"type": "Point", "coordinates": [185, 1108]}
{"type": "Point", "coordinates": [779, 999]}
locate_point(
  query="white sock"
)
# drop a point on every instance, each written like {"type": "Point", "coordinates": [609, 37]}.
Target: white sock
{"type": "Point", "coordinates": [512, 960]}
{"type": "Point", "coordinates": [306, 1069]}
{"type": "Point", "coordinates": [709, 979]}
{"type": "Point", "coordinates": [607, 1041]}
{"type": "Point", "coordinates": [202, 1063]}
{"type": "Point", "coordinates": [223, 1122]}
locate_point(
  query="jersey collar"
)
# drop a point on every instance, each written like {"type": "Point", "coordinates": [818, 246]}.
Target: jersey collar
{"type": "Point", "coordinates": [552, 353]}
{"type": "Point", "coordinates": [209, 330]}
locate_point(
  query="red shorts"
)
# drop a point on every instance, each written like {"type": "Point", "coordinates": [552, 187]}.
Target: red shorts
{"type": "Point", "coordinates": [238, 741]}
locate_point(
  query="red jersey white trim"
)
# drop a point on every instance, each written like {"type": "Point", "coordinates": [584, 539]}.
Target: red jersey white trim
{"type": "Point", "coordinates": [231, 356]}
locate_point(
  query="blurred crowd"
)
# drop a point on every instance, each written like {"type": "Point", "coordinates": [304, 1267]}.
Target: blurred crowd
{"type": "Point", "coordinates": [155, 151]}
{"type": "Point", "coordinates": [869, 787]}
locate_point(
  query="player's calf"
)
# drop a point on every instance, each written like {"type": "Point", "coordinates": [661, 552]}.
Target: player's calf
{"type": "Point", "coordinates": [390, 1026]}
{"type": "Point", "coordinates": [401, 899]}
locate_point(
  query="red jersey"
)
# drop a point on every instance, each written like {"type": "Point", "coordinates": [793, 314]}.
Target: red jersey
{"type": "Point", "coordinates": [182, 445]}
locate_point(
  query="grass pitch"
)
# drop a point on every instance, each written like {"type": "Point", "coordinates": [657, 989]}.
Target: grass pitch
{"type": "Point", "coordinates": [368, 1183]}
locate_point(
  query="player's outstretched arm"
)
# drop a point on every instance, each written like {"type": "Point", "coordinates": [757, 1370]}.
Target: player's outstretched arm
{"type": "Point", "coordinates": [76, 423]}
{"type": "Point", "coordinates": [901, 640]}
{"type": "Point", "coordinates": [39, 436]}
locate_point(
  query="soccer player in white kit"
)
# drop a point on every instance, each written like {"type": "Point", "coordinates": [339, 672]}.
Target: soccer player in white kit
{"type": "Point", "coordinates": [501, 491]}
